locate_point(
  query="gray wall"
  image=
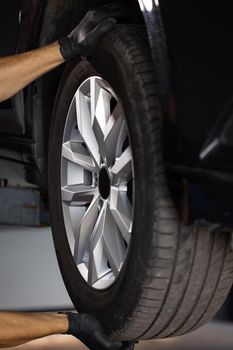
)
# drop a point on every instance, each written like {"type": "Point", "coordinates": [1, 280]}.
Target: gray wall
{"type": "Point", "coordinates": [29, 274]}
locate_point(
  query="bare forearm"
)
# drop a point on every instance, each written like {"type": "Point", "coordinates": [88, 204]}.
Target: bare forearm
{"type": "Point", "coordinates": [18, 71]}
{"type": "Point", "coordinates": [20, 328]}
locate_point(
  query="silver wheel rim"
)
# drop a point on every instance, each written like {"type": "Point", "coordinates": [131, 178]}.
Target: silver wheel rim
{"type": "Point", "coordinates": [97, 183]}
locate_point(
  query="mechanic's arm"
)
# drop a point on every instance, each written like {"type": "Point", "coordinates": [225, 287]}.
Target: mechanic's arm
{"type": "Point", "coordinates": [19, 328]}
{"type": "Point", "coordinates": [18, 71]}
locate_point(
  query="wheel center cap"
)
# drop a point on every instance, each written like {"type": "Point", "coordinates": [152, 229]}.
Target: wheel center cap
{"type": "Point", "coordinates": [104, 183]}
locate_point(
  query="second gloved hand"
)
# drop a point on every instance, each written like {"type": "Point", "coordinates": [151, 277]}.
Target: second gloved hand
{"type": "Point", "coordinates": [82, 41]}
{"type": "Point", "coordinates": [88, 330]}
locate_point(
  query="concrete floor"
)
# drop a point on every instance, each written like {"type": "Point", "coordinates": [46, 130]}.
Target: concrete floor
{"type": "Point", "coordinates": [215, 336]}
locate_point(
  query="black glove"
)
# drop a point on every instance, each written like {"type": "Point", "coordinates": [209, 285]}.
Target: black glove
{"type": "Point", "coordinates": [128, 346]}
{"type": "Point", "coordinates": [88, 330]}
{"type": "Point", "coordinates": [82, 41]}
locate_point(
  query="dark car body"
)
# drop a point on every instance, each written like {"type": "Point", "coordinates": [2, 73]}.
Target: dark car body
{"type": "Point", "coordinates": [195, 84]}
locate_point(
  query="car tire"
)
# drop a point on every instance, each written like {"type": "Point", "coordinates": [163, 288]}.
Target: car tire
{"type": "Point", "coordinates": [175, 277]}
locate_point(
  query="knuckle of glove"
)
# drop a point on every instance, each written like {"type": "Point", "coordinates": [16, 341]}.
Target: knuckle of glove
{"type": "Point", "coordinates": [90, 324]}
{"type": "Point", "coordinates": [90, 16]}
{"type": "Point", "coordinates": [85, 50]}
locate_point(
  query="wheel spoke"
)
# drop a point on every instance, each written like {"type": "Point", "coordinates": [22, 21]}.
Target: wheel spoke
{"type": "Point", "coordinates": [78, 195]}
{"type": "Point", "coordinates": [112, 132]}
{"type": "Point", "coordinates": [121, 210]}
{"type": "Point", "coordinates": [75, 152]}
{"type": "Point", "coordinates": [71, 132]}
{"type": "Point", "coordinates": [97, 258]}
{"type": "Point", "coordinates": [100, 137]}
{"type": "Point", "coordinates": [100, 113]}
{"type": "Point", "coordinates": [95, 90]}
{"type": "Point", "coordinates": [85, 126]}
{"type": "Point", "coordinates": [122, 170]}
{"type": "Point", "coordinates": [85, 230]}
{"type": "Point", "coordinates": [113, 244]}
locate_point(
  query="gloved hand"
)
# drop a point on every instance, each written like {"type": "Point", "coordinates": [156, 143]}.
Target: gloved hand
{"type": "Point", "coordinates": [88, 330]}
{"type": "Point", "coordinates": [82, 41]}
{"type": "Point", "coordinates": [128, 346]}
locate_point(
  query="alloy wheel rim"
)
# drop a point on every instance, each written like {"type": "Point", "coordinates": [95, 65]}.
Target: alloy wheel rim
{"type": "Point", "coordinates": [97, 183]}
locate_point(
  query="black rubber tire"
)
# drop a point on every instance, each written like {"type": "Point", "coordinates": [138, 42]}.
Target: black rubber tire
{"type": "Point", "coordinates": [175, 278]}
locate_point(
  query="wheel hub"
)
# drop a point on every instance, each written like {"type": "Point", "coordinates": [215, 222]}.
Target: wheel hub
{"type": "Point", "coordinates": [104, 183]}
